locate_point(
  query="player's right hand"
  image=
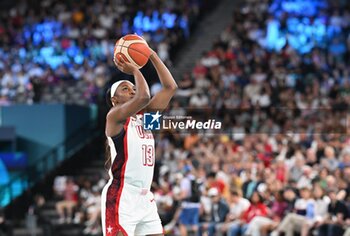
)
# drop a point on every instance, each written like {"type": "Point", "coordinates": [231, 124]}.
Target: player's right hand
{"type": "Point", "coordinates": [125, 67]}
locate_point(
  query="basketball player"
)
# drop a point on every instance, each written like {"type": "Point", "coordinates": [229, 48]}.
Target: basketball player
{"type": "Point", "coordinates": [128, 206]}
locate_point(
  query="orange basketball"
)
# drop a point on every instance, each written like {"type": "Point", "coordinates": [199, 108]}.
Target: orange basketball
{"type": "Point", "coordinates": [132, 48]}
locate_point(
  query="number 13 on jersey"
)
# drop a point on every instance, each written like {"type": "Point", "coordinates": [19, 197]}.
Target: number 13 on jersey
{"type": "Point", "coordinates": [148, 155]}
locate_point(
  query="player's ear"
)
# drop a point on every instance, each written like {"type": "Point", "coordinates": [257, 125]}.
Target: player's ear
{"type": "Point", "coordinates": [114, 101]}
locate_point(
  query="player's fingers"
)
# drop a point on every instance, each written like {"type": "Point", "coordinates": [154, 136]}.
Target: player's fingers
{"type": "Point", "coordinates": [119, 64]}
{"type": "Point", "coordinates": [121, 60]}
{"type": "Point", "coordinates": [126, 63]}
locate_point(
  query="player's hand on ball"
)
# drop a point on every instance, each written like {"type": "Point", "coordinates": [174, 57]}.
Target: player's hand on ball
{"type": "Point", "coordinates": [125, 67]}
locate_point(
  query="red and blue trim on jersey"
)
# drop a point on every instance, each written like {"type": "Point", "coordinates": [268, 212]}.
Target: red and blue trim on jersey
{"type": "Point", "coordinates": [116, 188]}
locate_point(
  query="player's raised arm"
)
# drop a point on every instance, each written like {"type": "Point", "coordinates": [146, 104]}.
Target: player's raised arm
{"type": "Point", "coordinates": [161, 100]}
{"type": "Point", "coordinates": [125, 100]}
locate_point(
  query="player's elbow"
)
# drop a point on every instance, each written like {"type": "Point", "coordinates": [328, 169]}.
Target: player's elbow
{"type": "Point", "coordinates": [172, 88]}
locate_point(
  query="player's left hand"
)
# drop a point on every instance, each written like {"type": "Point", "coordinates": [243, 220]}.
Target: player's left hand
{"type": "Point", "coordinates": [125, 66]}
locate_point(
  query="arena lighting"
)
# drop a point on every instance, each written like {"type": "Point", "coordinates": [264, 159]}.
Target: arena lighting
{"type": "Point", "coordinates": [307, 8]}
{"type": "Point", "coordinates": [52, 54]}
{"type": "Point", "coordinates": [151, 23]}
{"type": "Point", "coordinates": [304, 29]}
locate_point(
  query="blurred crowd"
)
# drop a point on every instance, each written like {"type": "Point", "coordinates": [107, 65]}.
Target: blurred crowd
{"type": "Point", "coordinates": [281, 165]}
{"type": "Point", "coordinates": [265, 183]}
{"type": "Point", "coordinates": [79, 201]}
{"type": "Point", "coordinates": [259, 90]}
{"type": "Point", "coordinates": [49, 44]}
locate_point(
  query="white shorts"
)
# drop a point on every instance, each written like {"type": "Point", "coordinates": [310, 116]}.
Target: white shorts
{"type": "Point", "coordinates": [128, 209]}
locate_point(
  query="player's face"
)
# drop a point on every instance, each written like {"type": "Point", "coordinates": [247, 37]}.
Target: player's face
{"type": "Point", "coordinates": [124, 93]}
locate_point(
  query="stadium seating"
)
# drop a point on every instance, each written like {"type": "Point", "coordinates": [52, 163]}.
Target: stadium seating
{"type": "Point", "coordinates": [57, 45]}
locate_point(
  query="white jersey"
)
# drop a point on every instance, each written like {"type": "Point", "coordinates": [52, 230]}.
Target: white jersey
{"type": "Point", "coordinates": [133, 154]}
{"type": "Point", "coordinates": [127, 204]}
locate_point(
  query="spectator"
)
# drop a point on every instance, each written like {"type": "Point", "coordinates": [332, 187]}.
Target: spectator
{"type": "Point", "coordinates": [303, 210]}
{"type": "Point", "coordinates": [320, 211]}
{"type": "Point", "coordinates": [237, 207]}
{"type": "Point", "coordinates": [257, 208]}
{"type": "Point", "coordinates": [330, 162]}
{"type": "Point", "coordinates": [262, 225]}
{"type": "Point", "coordinates": [165, 201]}
{"type": "Point", "coordinates": [69, 202]}
{"type": "Point", "coordinates": [93, 210]}
{"type": "Point", "coordinates": [336, 218]}
{"type": "Point", "coordinates": [297, 169]}
{"type": "Point", "coordinates": [218, 213]}
{"type": "Point", "coordinates": [189, 214]}
{"type": "Point", "coordinates": [37, 210]}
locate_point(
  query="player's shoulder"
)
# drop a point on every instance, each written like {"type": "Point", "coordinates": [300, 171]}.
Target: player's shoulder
{"type": "Point", "coordinates": [114, 128]}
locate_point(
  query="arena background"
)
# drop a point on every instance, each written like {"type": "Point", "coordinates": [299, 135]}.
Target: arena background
{"type": "Point", "coordinates": [275, 73]}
